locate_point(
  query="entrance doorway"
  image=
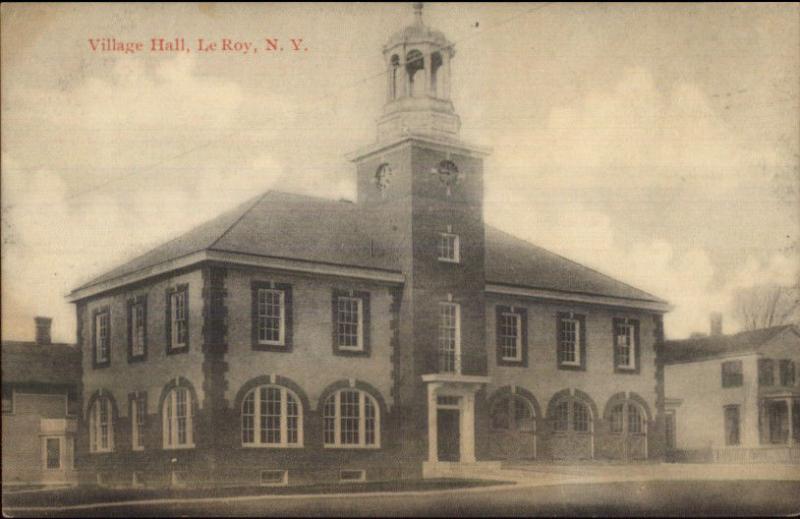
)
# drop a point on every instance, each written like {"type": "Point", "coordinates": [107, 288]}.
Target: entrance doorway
{"type": "Point", "coordinates": [448, 434]}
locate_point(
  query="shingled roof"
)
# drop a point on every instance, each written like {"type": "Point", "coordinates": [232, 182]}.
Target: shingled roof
{"type": "Point", "coordinates": [700, 348]}
{"type": "Point", "coordinates": [32, 363]}
{"type": "Point", "coordinates": [288, 226]}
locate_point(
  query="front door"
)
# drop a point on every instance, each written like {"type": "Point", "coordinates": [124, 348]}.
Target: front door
{"type": "Point", "coordinates": [448, 434]}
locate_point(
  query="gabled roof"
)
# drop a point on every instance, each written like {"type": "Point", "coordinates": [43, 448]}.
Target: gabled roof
{"type": "Point", "coordinates": [701, 348]}
{"type": "Point", "coordinates": [312, 229]}
{"type": "Point", "coordinates": [31, 363]}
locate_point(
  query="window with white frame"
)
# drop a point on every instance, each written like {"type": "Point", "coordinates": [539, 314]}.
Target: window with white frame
{"type": "Point", "coordinates": [449, 247]}
{"type": "Point", "coordinates": [636, 420]}
{"type": "Point", "coordinates": [179, 329]}
{"type": "Point", "coordinates": [271, 316]}
{"type": "Point", "coordinates": [52, 453]}
{"type": "Point", "coordinates": [138, 328]}
{"type": "Point", "coordinates": [101, 427]}
{"type": "Point", "coordinates": [349, 323]}
{"type": "Point", "coordinates": [177, 419]}
{"type": "Point", "coordinates": [617, 417]}
{"type": "Point", "coordinates": [449, 337]}
{"type": "Point", "coordinates": [138, 415]}
{"type": "Point", "coordinates": [102, 337]}
{"type": "Point", "coordinates": [510, 336]}
{"type": "Point", "coordinates": [351, 418]}
{"type": "Point", "coordinates": [272, 417]}
{"type": "Point", "coordinates": [581, 416]}
{"type": "Point", "coordinates": [561, 416]}
{"type": "Point", "coordinates": [569, 333]}
{"type": "Point", "coordinates": [624, 344]}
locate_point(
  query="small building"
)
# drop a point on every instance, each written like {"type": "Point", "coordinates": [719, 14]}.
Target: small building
{"type": "Point", "coordinates": [734, 398]}
{"type": "Point", "coordinates": [41, 388]}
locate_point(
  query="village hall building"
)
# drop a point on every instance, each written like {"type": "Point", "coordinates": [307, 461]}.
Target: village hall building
{"type": "Point", "coordinates": [299, 339]}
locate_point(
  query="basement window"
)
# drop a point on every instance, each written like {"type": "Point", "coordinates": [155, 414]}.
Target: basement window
{"type": "Point", "coordinates": [274, 477]}
{"type": "Point", "coordinates": [349, 476]}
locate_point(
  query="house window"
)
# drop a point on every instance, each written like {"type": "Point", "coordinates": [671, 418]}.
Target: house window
{"type": "Point", "coordinates": [53, 453]}
{"type": "Point", "coordinates": [350, 323]}
{"type": "Point", "coordinates": [787, 372]}
{"type": "Point", "coordinates": [513, 413]}
{"type": "Point", "coordinates": [616, 418]}
{"type": "Point", "coordinates": [271, 317]}
{"type": "Point", "coordinates": [510, 335]}
{"type": "Point", "coordinates": [271, 416]}
{"type": "Point", "coordinates": [569, 341]}
{"type": "Point", "coordinates": [766, 372]}
{"type": "Point", "coordinates": [102, 338]}
{"type": "Point", "coordinates": [8, 400]}
{"type": "Point", "coordinates": [580, 416]}
{"type": "Point", "coordinates": [138, 416]}
{"type": "Point", "coordinates": [349, 476]}
{"type": "Point", "coordinates": [449, 337]}
{"type": "Point", "coordinates": [351, 419]}
{"type": "Point", "coordinates": [137, 327]}
{"type": "Point", "coordinates": [177, 419]}
{"type": "Point", "coordinates": [732, 425]}
{"type": "Point", "coordinates": [636, 420]}
{"type": "Point", "coordinates": [561, 422]}
{"type": "Point", "coordinates": [732, 373]}
{"type": "Point", "coordinates": [101, 427]}
{"type": "Point", "coordinates": [449, 247]}
{"type": "Point", "coordinates": [179, 322]}
{"type": "Point", "coordinates": [271, 478]}
{"type": "Point", "coordinates": [625, 344]}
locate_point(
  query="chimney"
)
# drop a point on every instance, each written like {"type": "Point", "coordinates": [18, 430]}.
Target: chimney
{"type": "Point", "coordinates": [43, 330]}
{"type": "Point", "coordinates": [716, 323]}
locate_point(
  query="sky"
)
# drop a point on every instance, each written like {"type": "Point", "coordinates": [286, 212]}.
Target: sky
{"type": "Point", "coordinates": [657, 143]}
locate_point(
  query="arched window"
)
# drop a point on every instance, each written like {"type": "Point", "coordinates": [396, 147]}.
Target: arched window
{"type": "Point", "coordinates": [616, 418]}
{"type": "Point", "coordinates": [572, 415]}
{"type": "Point", "coordinates": [581, 416]}
{"type": "Point", "coordinates": [176, 414]}
{"type": "Point", "coordinates": [562, 416]}
{"type": "Point", "coordinates": [513, 413]}
{"type": "Point", "coordinates": [101, 426]}
{"type": "Point", "coordinates": [636, 421]}
{"type": "Point", "coordinates": [272, 416]}
{"type": "Point", "coordinates": [436, 85]}
{"type": "Point", "coordinates": [394, 64]}
{"type": "Point", "coordinates": [351, 418]}
{"type": "Point", "coordinates": [415, 63]}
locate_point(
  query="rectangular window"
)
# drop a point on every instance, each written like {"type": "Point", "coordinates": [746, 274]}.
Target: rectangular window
{"type": "Point", "coordinates": [732, 425]}
{"type": "Point", "coordinates": [271, 317]}
{"type": "Point", "coordinates": [569, 353]}
{"type": "Point", "coordinates": [137, 327]}
{"type": "Point", "coordinates": [732, 373]}
{"type": "Point", "coordinates": [449, 248]}
{"type": "Point", "coordinates": [102, 337]}
{"type": "Point", "coordinates": [349, 322]}
{"type": "Point", "coordinates": [766, 372]}
{"type": "Point", "coordinates": [349, 417]}
{"type": "Point", "coordinates": [138, 415]}
{"type": "Point", "coordinates": [53, 453]}
{"type": "Point", "coordinates": [8, 400]}
{"type": "Point", "coordinates": [352, 475]}
{"type": "Point", "coordinates": [510, 335]}
{"type": "Point", "coordinates": [274, 477]}
{"type": "Point", "coordinates": [787, 372]}
{"type": "Point", "coordinates": [178, 319]}
{"type": "Point", "coordinates": [625, 344]}
{"type": "Point", "coordinates": [450, 337]}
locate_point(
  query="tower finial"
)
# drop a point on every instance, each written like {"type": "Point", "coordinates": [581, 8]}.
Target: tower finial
{"type": "Point", "coordinates": [418, 13]}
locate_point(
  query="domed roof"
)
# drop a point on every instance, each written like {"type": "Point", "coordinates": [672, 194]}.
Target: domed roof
{"type": "Point", "coordinates": [417, 32]}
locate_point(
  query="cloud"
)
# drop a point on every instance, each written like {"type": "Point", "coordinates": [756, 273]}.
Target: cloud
{"type": "Point", "coordinates": [601, 171]}
{"type": "Point", "coordinates": [58, 231]}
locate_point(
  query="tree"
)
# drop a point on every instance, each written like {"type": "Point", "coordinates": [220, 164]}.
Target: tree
{"type": "Point", "coordinates": [762, 306]}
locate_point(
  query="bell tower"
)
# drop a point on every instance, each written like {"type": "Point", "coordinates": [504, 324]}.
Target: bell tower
{"type": "Point", "coordinates": [418, 83]}
{"type": "Point", "coordinates": [422, 186]}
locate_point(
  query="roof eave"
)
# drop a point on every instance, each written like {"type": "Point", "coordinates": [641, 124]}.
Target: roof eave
{"type": "Point", "coordinates": [573, 297]}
